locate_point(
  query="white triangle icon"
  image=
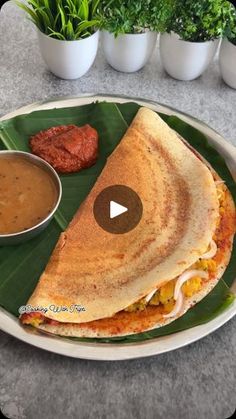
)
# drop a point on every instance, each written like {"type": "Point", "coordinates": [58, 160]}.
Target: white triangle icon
{"type": "Point", "coordinates": [116, 209]}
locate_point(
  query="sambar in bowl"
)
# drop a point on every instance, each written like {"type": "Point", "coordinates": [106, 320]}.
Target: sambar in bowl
{"type": "Point", "coordinates": [30, 192]}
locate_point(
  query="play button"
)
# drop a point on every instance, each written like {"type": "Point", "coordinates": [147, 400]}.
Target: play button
{"type": "Point", "coordinates": [118, 209]}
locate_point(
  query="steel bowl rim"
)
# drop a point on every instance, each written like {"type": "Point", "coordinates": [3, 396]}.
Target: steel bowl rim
{"type": "Point", "coordinates": [31, 156]}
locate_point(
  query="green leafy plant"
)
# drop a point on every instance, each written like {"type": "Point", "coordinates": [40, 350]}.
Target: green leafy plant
{"type": "Point", "coordinates": [129, 16]}
{"type": "Point", "coordinates": [233, 40]}
{"type": "Point", "coordinates": [202, 20]}
{"type": "Point", "coordinates": [232, 35]}
{"type": "Point", "coordinates": [67, 20]}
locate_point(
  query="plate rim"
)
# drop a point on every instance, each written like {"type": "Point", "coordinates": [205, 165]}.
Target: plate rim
{"type": "Point", "coordinates": [116, 351]}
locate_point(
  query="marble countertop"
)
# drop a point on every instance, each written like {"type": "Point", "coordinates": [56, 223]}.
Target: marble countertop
{"type": "Point", "coordinates": [195, 382]}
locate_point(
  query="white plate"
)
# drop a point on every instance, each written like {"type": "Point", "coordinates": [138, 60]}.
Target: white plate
{"type": "Point", "coordinates": [108, 352]}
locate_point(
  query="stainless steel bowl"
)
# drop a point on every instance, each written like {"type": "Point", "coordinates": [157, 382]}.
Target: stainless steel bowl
{"type": "Point", "coordinates": [22, 236]}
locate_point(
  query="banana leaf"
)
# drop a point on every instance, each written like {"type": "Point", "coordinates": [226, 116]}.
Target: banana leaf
{"type": "Point", "coordinates": [21, 265]}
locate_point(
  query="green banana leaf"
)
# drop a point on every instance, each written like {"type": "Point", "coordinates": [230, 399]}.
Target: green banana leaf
{"type": "Point", "coordinates": [21, 265]}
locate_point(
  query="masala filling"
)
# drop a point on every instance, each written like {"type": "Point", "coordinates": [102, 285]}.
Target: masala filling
{"type": "Point", "coordinates": [170, 296]}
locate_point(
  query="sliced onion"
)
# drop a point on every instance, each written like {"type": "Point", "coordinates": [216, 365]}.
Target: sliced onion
{"type": "Point", "coordinates": [219, 182]}
{"type": "Point", "coordinates": [177, 308]}
{"type": "Point", "coordinates": [211, 253]}
{"type": "Point", "coordinates": [178, 294]}
{"type": "Point", "coordinates": [184, 277]}
{"type": "Point", "coordinates": [150, 295]}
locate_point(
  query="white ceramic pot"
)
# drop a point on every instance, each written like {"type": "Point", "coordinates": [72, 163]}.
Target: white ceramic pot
{"type": "Point", "coordinates": [68, 59]}
{"type": "Point", "coordinates": [184, 60]}
{"type": "Point", "coordinates": [129, 52]}
{"type": "Point", "coordinates": [228, 62]}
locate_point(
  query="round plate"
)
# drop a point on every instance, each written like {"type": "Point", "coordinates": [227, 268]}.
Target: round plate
{"type": "Point", "coordinates": [108, 352]}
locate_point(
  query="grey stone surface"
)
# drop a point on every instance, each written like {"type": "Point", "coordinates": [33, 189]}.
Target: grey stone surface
{"type": "Point", "coordinates": [196, 382]}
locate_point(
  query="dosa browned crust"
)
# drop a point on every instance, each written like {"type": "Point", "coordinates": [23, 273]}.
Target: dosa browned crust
{"type": "Point", "coordinates": [105, 273]}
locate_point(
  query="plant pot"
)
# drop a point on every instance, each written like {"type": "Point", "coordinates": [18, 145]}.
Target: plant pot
{"type": "Point", "coordinates": [185, 60]}
{"type": "Point", "coordinates": [68, 59]}
{"type": "Point", "coordinates": [227, 61]}
{"type": "Point", "coordinates": [129, 52]}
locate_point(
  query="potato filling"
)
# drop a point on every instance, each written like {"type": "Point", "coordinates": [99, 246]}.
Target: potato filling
{"type": "Point", "coordinates": [164, 296]}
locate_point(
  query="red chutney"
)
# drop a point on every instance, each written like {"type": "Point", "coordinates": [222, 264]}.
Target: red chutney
{"type": "Point", "coordinates": [67, 148]}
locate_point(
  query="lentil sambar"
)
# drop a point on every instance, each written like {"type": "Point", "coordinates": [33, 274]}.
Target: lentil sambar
{"type": "Point", "coordinates": [27, 194]}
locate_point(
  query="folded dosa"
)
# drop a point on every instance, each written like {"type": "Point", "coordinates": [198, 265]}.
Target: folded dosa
{"type": "Point", "coordinates": [152, 317]}
{"type": "Point", "coordinates": [105, 273]}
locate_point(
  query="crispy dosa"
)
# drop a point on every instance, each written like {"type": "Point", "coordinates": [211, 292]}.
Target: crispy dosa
{"type": "Point", "coordinates": [126, 323]}
{"type": "Point", "coordinates": [105, 273]}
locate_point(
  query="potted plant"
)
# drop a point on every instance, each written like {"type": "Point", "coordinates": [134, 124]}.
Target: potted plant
{"type": "Point", "coordinates": [130, 31]}
{"type": "Point", "coordinates": [227, 58]}
{"type": "Point", "coordinates": [193, 35]}
{"type": "Point", "coordinates": [67, 33]}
